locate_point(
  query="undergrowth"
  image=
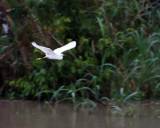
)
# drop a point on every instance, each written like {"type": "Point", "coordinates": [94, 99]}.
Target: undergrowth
{"type": "Point", "coordinates": [116, 58]}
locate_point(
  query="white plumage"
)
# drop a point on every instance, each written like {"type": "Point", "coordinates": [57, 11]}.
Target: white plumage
{"type": "Point", "coordinates": [5, 28]}
{"type": "Point", "coordinates": [57, 53]}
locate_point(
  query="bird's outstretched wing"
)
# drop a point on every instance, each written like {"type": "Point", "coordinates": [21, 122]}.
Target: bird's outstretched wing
{"type": "Point", "coordinates": [65, 47]}
{"type": "Point", "coordinates": [44, 49]}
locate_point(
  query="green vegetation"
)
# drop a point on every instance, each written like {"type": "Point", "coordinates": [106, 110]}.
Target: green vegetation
{"type": "Point", "coordinates": [116, 59]}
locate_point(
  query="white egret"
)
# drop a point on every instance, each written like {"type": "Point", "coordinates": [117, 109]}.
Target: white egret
{"type": "Point", "coordinates": [57, 53]}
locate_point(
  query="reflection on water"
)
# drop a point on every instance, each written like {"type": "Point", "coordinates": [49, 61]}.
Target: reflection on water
{"type": "Point", "coordinates": [27, 114]}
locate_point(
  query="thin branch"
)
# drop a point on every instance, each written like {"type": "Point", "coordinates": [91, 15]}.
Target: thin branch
{"type": "Point", "coordinates": [54, 38]}
{"type": "Point", "coordinates": [40, 30]}
{"type": "Point", "coordinates": [93, 47]}
{"type": "Point", "coordinates": [6, 53]}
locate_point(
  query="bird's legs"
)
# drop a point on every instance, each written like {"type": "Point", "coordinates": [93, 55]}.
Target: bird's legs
{"type": "Point", "coordinates": [39, 58]}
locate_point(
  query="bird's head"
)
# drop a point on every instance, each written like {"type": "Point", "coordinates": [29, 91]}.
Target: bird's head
{"type": "Point", "coordinates": [63, 55]}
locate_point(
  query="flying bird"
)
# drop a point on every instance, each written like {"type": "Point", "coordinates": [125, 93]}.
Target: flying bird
{"type": "Point", "coordinates": [57, 53]}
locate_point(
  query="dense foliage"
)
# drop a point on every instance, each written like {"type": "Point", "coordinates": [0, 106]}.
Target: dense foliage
{"type": "Point", "coordinates": [117, 54]}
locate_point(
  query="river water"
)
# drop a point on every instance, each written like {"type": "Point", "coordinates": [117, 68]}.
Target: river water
{"type": "Point", "coordinates": [29, 114]}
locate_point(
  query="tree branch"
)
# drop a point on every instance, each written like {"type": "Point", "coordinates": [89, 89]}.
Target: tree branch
{"type": "Point", "coordinates": [6, 53]}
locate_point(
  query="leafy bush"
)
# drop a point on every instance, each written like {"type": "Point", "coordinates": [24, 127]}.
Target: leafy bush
{"type": "Point", "coordinates": [117, 48]}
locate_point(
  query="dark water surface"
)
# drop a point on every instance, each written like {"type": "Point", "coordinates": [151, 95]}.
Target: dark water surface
{"type": "Point", "coordinates": [28, 114]}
